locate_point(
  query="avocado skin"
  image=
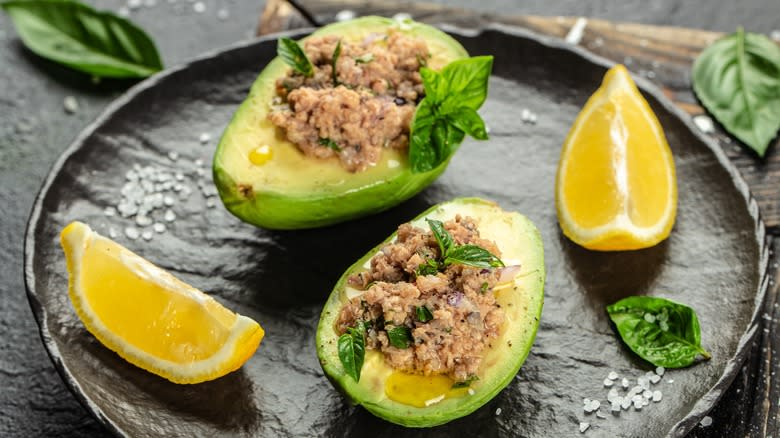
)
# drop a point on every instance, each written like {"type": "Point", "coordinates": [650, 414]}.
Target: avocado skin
{"type": "Point", "coordinates": [288, 211]}
{"type": "Point", "coordinates": [493, 381]}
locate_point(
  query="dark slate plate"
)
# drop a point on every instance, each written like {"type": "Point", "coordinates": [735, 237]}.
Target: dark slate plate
{"type": "Point", "coordinates": [715, 260]}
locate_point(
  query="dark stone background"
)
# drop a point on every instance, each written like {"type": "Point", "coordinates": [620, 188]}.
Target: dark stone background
{"type": "Point", "coordinates": [34, 129]}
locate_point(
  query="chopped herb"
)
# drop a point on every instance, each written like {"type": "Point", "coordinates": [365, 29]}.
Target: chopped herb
{"type": "Point", "coordinates": [423, 314]}
{"type": "Point", "coordinates": [466, 383]}
{"type": "Point", "coordinates": [370, 284]}
{"type": "Point", "coordinates": [364, 59]}
{"type": "Point", "coordinates": [294, 56]}
{"type": "Point", "coordinates": [330, 143]}
{"type": "Point", "coordinates": [430, 267]}
{"type": "Point", "coordinates": [334, 59]}
{"type": "Point", "coordinates": [484, 287]}
{"type": "Point", "coordinates": [400, 336]}
{"type": "Point", "coordinates": [352, 350]}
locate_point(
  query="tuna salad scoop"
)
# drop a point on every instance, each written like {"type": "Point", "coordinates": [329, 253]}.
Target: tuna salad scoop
{"type": "Point", "coordinates": [428, 316]}
{"type": "Point", "coordinates": [358, 99]}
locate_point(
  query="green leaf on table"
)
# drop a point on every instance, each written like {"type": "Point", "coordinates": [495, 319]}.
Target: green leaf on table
{"type": "Point", "coordinates": [70, 33]}
{"type": "Point", "coordinates": [448, 111]}
{"type": "Point", "coordinates": [352, 350]}
{"type": "Point", "coordinates": [737, 79]}
{"type": "Point", "coordinates": [294, 56]}
{"type": "Point", "coordinates": [660, 331]}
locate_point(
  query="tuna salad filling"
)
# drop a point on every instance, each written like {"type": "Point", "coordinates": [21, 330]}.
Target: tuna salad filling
{"type": "Point", "coordinates": [428, 316]}
{"type": "Point", "coordinates": [365, 105]}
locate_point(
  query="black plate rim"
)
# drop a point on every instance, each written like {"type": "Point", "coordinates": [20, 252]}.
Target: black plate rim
{"type": "Point", "coordinates": [685, 425]}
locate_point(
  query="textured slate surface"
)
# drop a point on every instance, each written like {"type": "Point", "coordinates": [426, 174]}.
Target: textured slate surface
{"type": "Point", "coordinates": [34, 130]}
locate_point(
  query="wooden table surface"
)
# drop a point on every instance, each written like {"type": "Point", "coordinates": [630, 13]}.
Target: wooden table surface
{"type": "Point", "coordinates": [34, 130]}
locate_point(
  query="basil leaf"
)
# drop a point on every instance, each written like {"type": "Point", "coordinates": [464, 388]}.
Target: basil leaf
{"type": "Point", "coordinates": [439, 123]}
{"type": "Point", "coordinates": [365, 58]}
{"type": "Point", "coordinates": [329, 143]}
{"type": "Point", "coordinates": [75, 35]}
{"type": "Point", "coordinates": [423, 314]}
{"type": "Point", "coordinates": [472, 255]}
{"type": "Point", "coordinates": [352, 350]}
{"type": "Point", "coordinates": [442, 236]}
{"type": "Point", "coordinates": [737, 79]}
{"type": "Point", "coordinates": [400, 336]}
{"type": "Point", "coordinates": [467, 79]}
{"type": "Point", "coordinates": [334, 59]}
{"type": "Point", "coordinates": [660, 331]}
{"type": "Point", "coordinates": [467, 120]}
{"type": "Point", "coordinates": [466, 383]}
{"type": "Point", "coordinates": [430, 267]}
{"type": "Point", "coordinates": [294, 56]}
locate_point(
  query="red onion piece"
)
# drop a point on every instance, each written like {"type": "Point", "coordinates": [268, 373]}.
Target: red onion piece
{"type": "Point", "coordinates": [508, 273]}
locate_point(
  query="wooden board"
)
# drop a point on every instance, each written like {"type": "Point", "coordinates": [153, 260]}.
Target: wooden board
{"type": "Point", "coordinates": [662, 54]}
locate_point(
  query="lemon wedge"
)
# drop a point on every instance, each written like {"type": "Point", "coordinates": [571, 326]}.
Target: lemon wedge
{"type": "Point", "coordinates": [150, 318]}
{"type": "Point", "coordinates": [616, 187]}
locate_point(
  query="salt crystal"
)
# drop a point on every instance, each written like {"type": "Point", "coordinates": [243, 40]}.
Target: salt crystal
{"type": "Point", "coordinates": [177, 187]}
{"type": "Point", "coordinates": [608, 382]}
{"type": "Point", "coordinates": [169, 216]}
{"type": "Point", "coordinates": [134, 4]}
{"type": "Point", "coordinates": [775, 35]}
{"type": "Point", "coordinates": [624, 383]}
{"type": "Point", "coordinates": [147, 235]}
{"type": "Point", "coordinates": [109, 211]}
{"type": "Point", "coordinates": [173, 155]}
{"type": "Point", "coordinates": [159, 227]}
{"type": "Point", "coordinates": [615, 407]}
{"type": "Point", "coordinates": [657, 396]}
{"type": "Point", "coordinates": [204, 138]}
{"type": "Point", "coordinates": [600, 415]}
{"type": "Point", "coordinates": [671, 380]}
{"type": "Point", "coordinates": [223, 14]}
{"type": "Point", "coordinates": [612, 394]}
{"type": "Point", "coordinates": [132, 233]}
{"type": "Point", "coordinates": [647, 393]}
{"type": "Point", "coordinates": [199, 162]}
{"type": "Point", "coordinates": [638, 405]}
{"type": "Point", "coordinates": [595, 405]}
{"type": "Point", "coordinates": [199, 7]}
{"type": "Point", "coordinates": [210, 203]}
{"type": "Point", "coordinates": [612, 375]}
{"type": "Point", "coordinates": [168, 200]}
{"type": "Point", "coordinates": [625, 404]}
{"type": "Point", "coordinates": [70, 104]}
{"type": "Point", "coordinates": [704, 123]}
{"type": "Point", "coordinates": [655, 379]}
{"type": "Point", "coordinates": [706, 421]}
{"type": "Point", "coordinates": [143, 220]}
{"type": "Point", "coordinates": [660, 371]}
{"type": "Point", "coordinates": [345, 15]}
{"type": "Point", "coordinates": [127, 209]}
{"type": "Point", "coordinates": [179, 176]}
{"type": "Point", "coordinates": [498, 411]}
{"type": "Point", "coordinates": [584, 427]}
{"type": "Point", "coordinates": [112, 233]}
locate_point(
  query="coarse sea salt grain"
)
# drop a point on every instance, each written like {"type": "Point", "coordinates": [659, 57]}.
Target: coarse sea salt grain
{"type": "Point", "coordinates": [204, 138]}
{"type": "Point", "coordinates": [132, 233]}
{"type": "Point", "coordinates": [657, 396]}
{"type": "Point", "coordinates": [706, 421]}
{"type": "Point", "coordinates": [159, 227]}
{"type": "Point", "coordinates": [584, 426]}
{"type": "Point", "coordinates": [147, 235]}
{"type": "Point", "coordinates": [498, 411]}
{"type": "Point", "coordinates": [624, 383]}
{"type": "Point", "coordinates": [660, 371]}
{"type": "Point", "coordinates": [655, 379]}
{"type": "Point", "coordinates": [612, 375]}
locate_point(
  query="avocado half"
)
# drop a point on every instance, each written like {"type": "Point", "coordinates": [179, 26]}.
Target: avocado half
{"type": "Point", "coordinates": [292, 191]}
{"type": "Point", "coordinates": [521, 299]}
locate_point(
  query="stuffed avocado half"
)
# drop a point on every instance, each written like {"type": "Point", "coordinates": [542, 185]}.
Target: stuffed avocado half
{"type": "Point", "coordinates": [449, 333]}
{"type": "Point", "coordinates": [268, 180]}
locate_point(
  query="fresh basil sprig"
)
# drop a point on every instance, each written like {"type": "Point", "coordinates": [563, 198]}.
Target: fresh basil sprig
{"type": "Point", "coordinates": [449, 111]}
{"type": "Point", "coordinates": [352, 350]}
{"type": "Point", "coordinates": [737, 79]}
{"type": "Point", "coordinates": [75, 35]}
{"type": "Point", "coordinates": [400, 336]}
{"type": "Point", "coordinates": [451, 253]}
{"type": "Point", "coordinates": [660, 331]}
{"type": "Point", "coordinates": [294, 56]}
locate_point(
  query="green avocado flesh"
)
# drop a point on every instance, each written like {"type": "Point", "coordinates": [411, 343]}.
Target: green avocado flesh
{"type": "Point", "coordinates": [293, 191]}
{"type": "Point", "coordinates": [521, 299]}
